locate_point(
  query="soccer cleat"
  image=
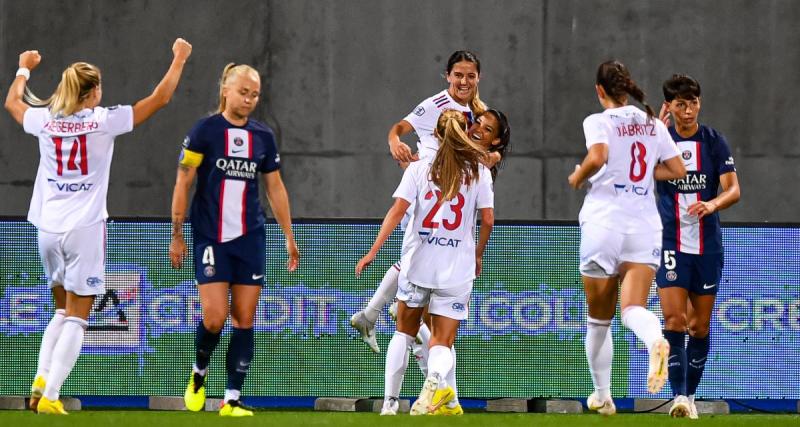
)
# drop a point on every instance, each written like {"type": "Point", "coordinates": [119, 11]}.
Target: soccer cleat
{"type": "Point", "coordinates": [195, 395]}
{"type": "Point", "coordinates": [393, 310]}
{"type": "Point", "coordinates": [446, 410]}
{"type": "Point", "coordinates": [423, 402]}
{"type": "Point", "coordinates": [37, 389]}
{"type": "Point", "coordinates": [440, 399]}
{"type": "Point", "coordinates": [693, 411]}
{"type": "Point", "coordinates": [50, 407]}
{"type": "Point", "coordinates": [603, 407]}
{"type": "Point", "coordinates": [681, 407]}
{"type": "Point", "coordinates": [657, 370]}
{"type": "Point", "coordinates": [234, 408]}
{"type": "Point", "coordinates": [390, 406]}
{"type": "Point", "coordinates": [366, 329]}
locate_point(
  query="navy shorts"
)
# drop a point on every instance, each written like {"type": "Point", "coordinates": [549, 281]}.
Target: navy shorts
{"type": "Point", "coordinates": [698, 274]}
{"type": "Point", "coordinates": [239, 261]}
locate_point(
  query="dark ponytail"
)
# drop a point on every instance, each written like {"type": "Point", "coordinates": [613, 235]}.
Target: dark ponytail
{"type": "Point", "coordinates": [616, 80]}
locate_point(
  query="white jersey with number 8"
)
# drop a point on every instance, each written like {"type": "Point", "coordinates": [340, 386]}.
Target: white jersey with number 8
{"type": "Point", "coordinates": [621, 195]}
{"type": "Point", "coordinates": [74, 165]}
{"type": "Point", "coordinates": [439, 244]}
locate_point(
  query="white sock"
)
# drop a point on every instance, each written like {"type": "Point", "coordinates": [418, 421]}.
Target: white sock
{"type": "Point", "coordinates": [643, 323]}
{"type": "Point", "coordinates": [65, 354]}
{"type": "Point", "coordinates": [691, 398]}
{"type": "Point", "coordinates": [49, 340]}
{"type": "Point", "coordinates": [440, 362]}
{"type": "Point", "coordinates": [421, 350]}
{"type": "Point", "coordinates": [231, 395]}
{"type": "Point", "coordinates": [197, 370]}
{"type": "Point", "coordinates": [383, 295]}
{"type": "Point", "coordinates": [599, 354]}
{"type": "Point", "coordinates": [450, 378]}
{"type": "Point", "coordinates": [396, 363]}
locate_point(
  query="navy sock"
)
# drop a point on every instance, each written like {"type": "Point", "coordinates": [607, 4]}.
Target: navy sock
{"type": "Point", "coordinates": [237, 360]}
{"type": "Point", "coordinates": [696, 353]}
{"type": "Point", "coordinates": [204, 344]}
{"type": "Point", "coordinates": [677, 361]}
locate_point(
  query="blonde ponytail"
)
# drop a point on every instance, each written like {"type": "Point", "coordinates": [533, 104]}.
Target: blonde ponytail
{"type": "Point", "coordinates": [458, 157]}
{"type": "Point", "coordinates": [77, 82]}
{"type": "Point", "coordinates": [230, 70]}
{"type": "Point", "coordinates": [477, 106]}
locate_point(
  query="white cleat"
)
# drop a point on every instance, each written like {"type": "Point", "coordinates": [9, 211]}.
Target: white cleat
{"type": "Point", "coordinates": [390, 406]}
{"type": "Point", "coordinates": [366, 329]}
{"type": "Point", "coordinates": [603, 407]}
{"type": "Point", "coordinates": [393, 310]}
{"type": "Point", "coordinates": [657, 369]}
{"type": "Point", "coordinates": [681, 407]}
{"type": "Point", "coordinates": [423, 402]}
{"type": "Point", "coordinates": [693, 411]}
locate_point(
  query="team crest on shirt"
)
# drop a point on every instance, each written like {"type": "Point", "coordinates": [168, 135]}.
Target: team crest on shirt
{"type": "Point", "coordinates": [419, 111]}
{"type": "Point", "coordinates": [672, 276]}
{"type": "Point", "coordinates": [209, 271]}
{"type": "Point", "coordinates": [238, 141]}
{"type": "Point", "coordinates": [687, 155]}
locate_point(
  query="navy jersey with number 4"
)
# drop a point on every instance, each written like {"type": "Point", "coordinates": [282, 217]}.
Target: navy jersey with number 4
{"type": "Point", "coordinates": [230, 158]}
{"type": "Point", "coordinates": [706, 155]}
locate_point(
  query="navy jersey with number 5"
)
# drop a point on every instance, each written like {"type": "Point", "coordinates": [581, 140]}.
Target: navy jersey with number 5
{"type": "Point", "coordinates": [706, 155]}
{"type": "Point", "coordinates": [229, 159]}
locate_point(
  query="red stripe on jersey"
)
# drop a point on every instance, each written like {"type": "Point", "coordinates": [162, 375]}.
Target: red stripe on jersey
{"type": "Point", "coordinates": [678, 220]}
{"type": "Point", "coordinates": [221, 205]}
{"type": "Point", "coordinates": [700, 222]}
{"type": "Point", "coordinates": [440, 98]}
{"type": "Point", "coordinates": [249, 145]}
{"type": "Point", "coordinates": [244, 210]}
{"type": "Point", "coordinates": [57, 141]}
{"type": "Point", "coordinates": [699, 157]}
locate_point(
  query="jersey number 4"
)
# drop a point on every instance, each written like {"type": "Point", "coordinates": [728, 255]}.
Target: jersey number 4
{"type": "Point", "coordinates": [456, 207]}
{"type": "Point", "coordinates": [78, 148]}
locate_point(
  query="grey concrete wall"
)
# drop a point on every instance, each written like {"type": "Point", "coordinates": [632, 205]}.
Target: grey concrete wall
{"type": "Point", "coordinates": [338, 74]}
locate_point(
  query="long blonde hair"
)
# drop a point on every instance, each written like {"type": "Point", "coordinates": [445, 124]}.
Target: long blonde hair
{"type": "Point", "coordinates": [458, 157]}
{"type": "Point", "coordinates": [230, 70]}
{"type": "Point", "coordinates": [77, 82]}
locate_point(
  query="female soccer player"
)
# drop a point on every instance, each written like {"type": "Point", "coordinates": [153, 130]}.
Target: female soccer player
{"type": "Point", "coordinates": [227, 151]}
{"type": "Point", "coordinates": [440, 259]}
{"type": "Point", "coordinates": [620, 225]}
{"type": "Point", "coordinates": [692, 260]}
{"type": "Point", "coordinates": [68, 207]}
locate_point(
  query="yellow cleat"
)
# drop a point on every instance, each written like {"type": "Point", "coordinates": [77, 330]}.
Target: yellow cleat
{"type": "Point", "coordinates": [446, 410]}
{"type": "Point", "coordinates": [440, 399]}
{"type": "Point", "coordinates": [234, 408]}
{"type": "Point", "coordinates": [52, 407]}
{"type": "Point", "coordinates": [37, 389]}
{"type": "Point", "coordinates": [195, 395]}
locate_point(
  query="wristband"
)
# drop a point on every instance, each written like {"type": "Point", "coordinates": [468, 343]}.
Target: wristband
{"type": "Point", "coordinates": [24, 72]}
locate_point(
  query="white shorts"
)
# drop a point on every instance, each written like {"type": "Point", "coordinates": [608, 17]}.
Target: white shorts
{"type": "Point", "coordinates": [603, 250]}
{"type": "Point", "coordinates": [450, 302]}
{"type": "Point", "coordinates": [75, 259]}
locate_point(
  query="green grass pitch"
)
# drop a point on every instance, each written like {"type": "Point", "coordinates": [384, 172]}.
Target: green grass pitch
{"type": "Point", "coordinates": [102, 418]}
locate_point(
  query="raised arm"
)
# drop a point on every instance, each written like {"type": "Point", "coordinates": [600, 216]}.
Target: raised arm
{"type": "Point", "coordinates": [400, 151]}
{"type": "Point", "coordinates": [15, 105]}
{"type": "Point", "coordinates": [180, 201]}
{"type": "Point", "coordinates": [279, 202]}
{"type": "Point", "coordinates": [390, 222]}
{"type": "Point", "coordinates": [161, 95]}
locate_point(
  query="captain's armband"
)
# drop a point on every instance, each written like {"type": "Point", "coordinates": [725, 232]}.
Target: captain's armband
{"type": "Point", "coordinates": [190, 158]}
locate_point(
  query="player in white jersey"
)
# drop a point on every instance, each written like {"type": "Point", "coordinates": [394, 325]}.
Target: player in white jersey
{"type": "Point", "coordinates": [620, 225]}
{"type": "Point", "coordinates": [463, 75]}
{"type": "Point", "coordinates": [68, 206]}
{"type": "Point", "coordinates": [440, 259]}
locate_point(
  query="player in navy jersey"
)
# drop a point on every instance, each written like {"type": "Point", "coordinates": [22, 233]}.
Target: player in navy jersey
{"type": "Point", "coordinates": [76, 139]}
{"type": "Point", "coordinates": [226, 152]}
{"type": "Point", "coordinates": [692, 254]}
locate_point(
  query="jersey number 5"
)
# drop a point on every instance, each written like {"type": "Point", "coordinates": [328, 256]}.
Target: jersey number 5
{"type": "Point", "coordinates": [638, 151]}
{"type": "Point", "coordinates": [78, 147]}
{"type": "Point", "coordinates": [428, 222]}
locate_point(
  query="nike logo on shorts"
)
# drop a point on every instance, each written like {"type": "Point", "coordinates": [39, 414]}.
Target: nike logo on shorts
{"type": "Point", "coordinates": [258, 276]}
{"type": "Point", "coordinates": [707, 286]}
